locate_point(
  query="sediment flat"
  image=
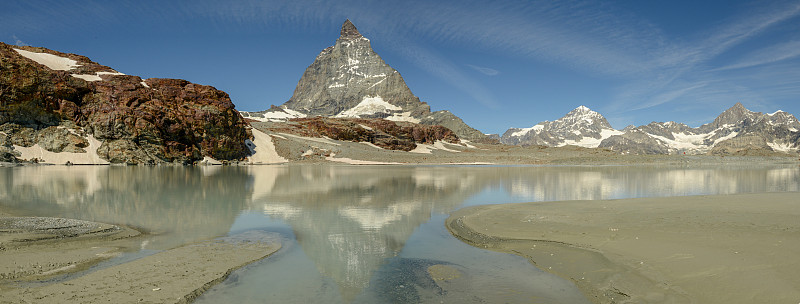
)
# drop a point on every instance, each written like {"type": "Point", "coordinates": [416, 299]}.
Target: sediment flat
{"type": "Point", "coordinates": [739, 248]}
{"type": "Point", "coordinates": [37, 248]}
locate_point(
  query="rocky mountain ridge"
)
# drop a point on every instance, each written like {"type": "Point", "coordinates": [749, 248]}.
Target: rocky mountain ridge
{"type": "Point", "coordinates": [350, 80]}
{"type": "Point", "coordinates": [580, 127]}
{"type": "Point", "coordinates": [53, 103]}
{"type": "Point", "coordinates": [737, 131]}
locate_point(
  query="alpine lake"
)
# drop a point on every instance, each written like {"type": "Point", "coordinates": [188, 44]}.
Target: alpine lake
{"type": "Point", "coordinates": [355, 234]}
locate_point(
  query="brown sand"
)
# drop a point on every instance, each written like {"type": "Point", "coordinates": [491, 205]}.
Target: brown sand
{"type": "Point", "coordinates": [703, 249]}
{"type": "Point", "coordinates": [41, 248]}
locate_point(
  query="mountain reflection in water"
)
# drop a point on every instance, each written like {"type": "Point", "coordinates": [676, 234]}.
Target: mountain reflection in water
{"type": "Point", "coordinates": [348, 220]}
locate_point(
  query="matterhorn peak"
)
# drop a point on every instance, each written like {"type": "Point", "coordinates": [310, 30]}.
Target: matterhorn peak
{"type": "Point", "coordinates": [349, 31]}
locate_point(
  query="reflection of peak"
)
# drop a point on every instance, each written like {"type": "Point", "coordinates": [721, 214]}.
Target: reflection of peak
{"type": "Point", "coordinates": [374, 219]}
{"type": "Point", "coordinates": [349, 220]}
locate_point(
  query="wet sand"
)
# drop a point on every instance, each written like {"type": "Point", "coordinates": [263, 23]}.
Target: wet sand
{"type": "Point", "coordinates": [35, 249]}
{"type": "Point", "coordinates": [701, 249]}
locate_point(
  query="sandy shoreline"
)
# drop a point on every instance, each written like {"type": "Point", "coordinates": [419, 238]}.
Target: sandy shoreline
{"type": "Point", "coordinates": [703, 249]}
{"type": "Point", "coordinates": [37, 248]}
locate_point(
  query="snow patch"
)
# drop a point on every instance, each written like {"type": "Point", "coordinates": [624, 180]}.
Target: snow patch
{"type": "Point", "coordinates": [683, 141]}
{"type": "Point", "coordinates": [440, 145]}
{"type": "Point", "coordinates": [724, 138]}
{"type": "Point", "coordinates": [90, 157]}
{"type": "Point", "coordinates": [524, 131]}
{"type": "Point", "coordinates": [95, 77]}
{"type": "Point", "coordinates": [280, 115]}
{"type": "Point", "coordinates": [51, 61]}
{"type": "Point", "coordinates": [590, 142]}
{"type": "Point", "coordinates": [324, 140]}
{"type": "Point", "coordinates": [427, 149]}
{"type": "Point", "coordinates": [336, 85]}
{"type": "Point", "coordinates": [357, 161]}
{"type": "Point", "coordinates": [781, 147]}
{"type": "Point", "coordinates": [369, 106]}
{"type": "Point", "coordinates": [263, 150]}
{"type": "Point", "coordinates": [208, 161]}
{"type": "Point", "coordinates": [404, 116]}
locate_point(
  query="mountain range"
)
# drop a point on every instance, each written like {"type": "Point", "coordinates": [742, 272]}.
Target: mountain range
{"type": "Point", "coordinates": [737, 131]}
{"type": "Point", "coordinates": [65, 108]}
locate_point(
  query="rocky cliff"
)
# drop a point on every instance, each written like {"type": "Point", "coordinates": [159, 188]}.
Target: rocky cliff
{"type": "Point", "coordinates": [391, 135]}
{"type": "Point", "coordinates": [52, 102]}
{"type": "Point", "coordinates": [350, 80]}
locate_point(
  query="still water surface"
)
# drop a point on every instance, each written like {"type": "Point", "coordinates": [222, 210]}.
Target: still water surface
{"type": "Point", "coordinates": [354, 234]}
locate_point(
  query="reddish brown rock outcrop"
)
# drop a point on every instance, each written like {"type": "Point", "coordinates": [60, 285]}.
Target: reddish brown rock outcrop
{"type": "Point", "coordinates": [383, 133]}
{"type": "Point", "coordinates": [137, 121]}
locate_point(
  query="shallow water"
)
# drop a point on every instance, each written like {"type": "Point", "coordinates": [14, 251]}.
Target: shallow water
{"type": "Point", "coordinates": [355, 234]}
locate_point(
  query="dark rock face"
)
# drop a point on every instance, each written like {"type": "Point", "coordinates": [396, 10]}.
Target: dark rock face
{"type": "Point", "coordinates": [350, 80]}
{"type": "Point", "coordinates": [383, 133]}
{"type": "Point", "coordinates": [634, 142]}
{"type": "Point", "coordinates": [748, 145]}
{"type": "Point", "coordinates": [137, 121]}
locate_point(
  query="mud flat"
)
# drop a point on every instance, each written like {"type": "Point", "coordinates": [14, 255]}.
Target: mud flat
{"type": "Point", "coordinates": [739, 248]}
{"type": "Point", "coordinates": [36, 249]}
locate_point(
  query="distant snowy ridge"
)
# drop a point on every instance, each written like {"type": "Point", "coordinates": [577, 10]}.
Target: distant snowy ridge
{"type": "Point", "coordinates": [735, 131]}
{"type": "Point", "coordinates": [580, 127]}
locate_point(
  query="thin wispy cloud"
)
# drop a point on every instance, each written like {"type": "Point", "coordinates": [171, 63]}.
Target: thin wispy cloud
{"type": "Point", "coordinates": [484, 70]}
{"type": "Point", "coordinates": [775, 53]}
{"type": "Point", "coordinates": [18, 42]}
{"type": "Point", "coordinates": [645, 65]}
{"type": "Point", "coordinates": [689, 62]}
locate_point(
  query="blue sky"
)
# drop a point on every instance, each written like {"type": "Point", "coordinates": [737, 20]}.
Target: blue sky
{"type": "Point", "coordinates": [496, 64]}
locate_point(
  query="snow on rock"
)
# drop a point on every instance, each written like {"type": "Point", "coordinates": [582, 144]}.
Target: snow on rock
{"type": "Point", "coordinates": [369, 106]}
{"type": "Point", "coordinates": [322, 140]}
{"type": "Point", "coordinates": [96, 76]}
{"type": "Point", "coordinates": [51, 61]}
{"type": "Point", "coordinates": [90, 157]}
{"type": "Point", "coordinates": [427, 149]}
{"type": "Point", "coordinates": [357, 161]}
{"type": "Point", "coordinates": [281, 114]}
{"type": "Point", "coordinates": [781, 147]}
{"type": "Point", "coordinates": [208, 161]}
{"type": "Point", "coordinates": [404, 116]}
{"type": "Point", "coordinates": [59, 63]}
{"type": "Point", "coordinates": [422, 149]}
{"type": "Point", "coordinates": [263, 150]}
{"type": "Point", "coordinates": [591, 142]}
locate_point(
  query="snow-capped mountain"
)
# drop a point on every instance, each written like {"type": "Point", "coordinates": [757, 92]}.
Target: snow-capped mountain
{"type": "Point", "coordinates": [735, 131]}
{"type": "Point", "coordinates": [580, 127]}
{"type": "Point", "coordinates": [350, 80]}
